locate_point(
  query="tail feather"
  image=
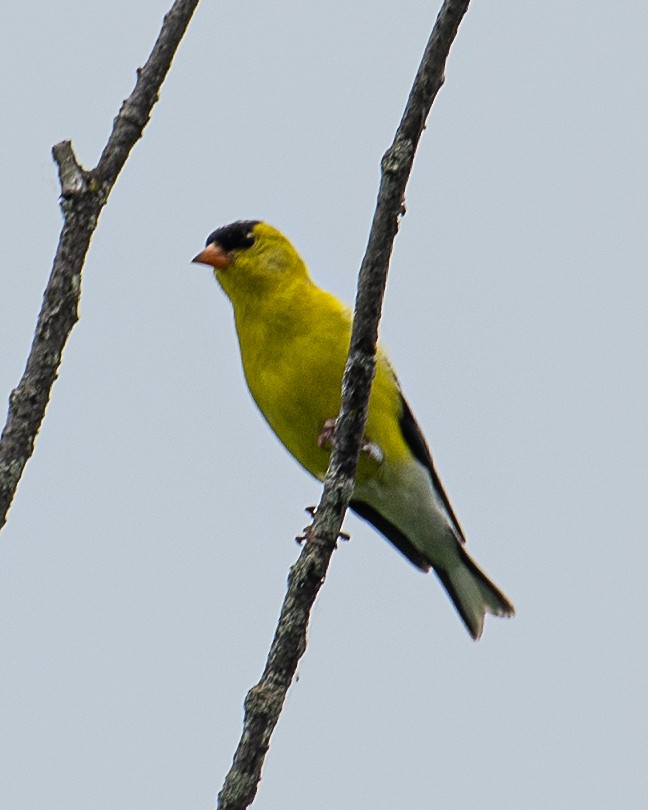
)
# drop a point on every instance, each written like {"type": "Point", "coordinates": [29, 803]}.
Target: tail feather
{"type": "Point", "coordinates": [473, 594]}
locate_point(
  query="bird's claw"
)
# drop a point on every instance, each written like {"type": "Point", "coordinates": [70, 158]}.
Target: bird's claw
{"type": "Point", "coordinates": [325, 439]}
{"type": "Point", "coordinates": [371, 449]}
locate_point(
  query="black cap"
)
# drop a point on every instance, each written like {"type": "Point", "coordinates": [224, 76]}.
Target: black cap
{"type": "Point", "coordinates": [236, 236]}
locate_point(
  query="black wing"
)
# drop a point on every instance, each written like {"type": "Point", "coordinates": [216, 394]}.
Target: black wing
{"type": "Point", "coordinates": [417, 444]}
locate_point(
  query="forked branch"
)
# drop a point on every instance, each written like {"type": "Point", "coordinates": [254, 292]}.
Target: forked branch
{"type": "Point", "coordinates": [83, 195]}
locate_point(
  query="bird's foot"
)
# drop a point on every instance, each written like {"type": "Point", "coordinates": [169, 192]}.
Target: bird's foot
{"type": "Point", "coordinates": [373, 450]}
{"type": "Point", "coordinates": [325, 441]}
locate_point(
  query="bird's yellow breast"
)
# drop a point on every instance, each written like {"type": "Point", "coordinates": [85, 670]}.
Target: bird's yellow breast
{"type": "Point", "coordinates": [293, 347]}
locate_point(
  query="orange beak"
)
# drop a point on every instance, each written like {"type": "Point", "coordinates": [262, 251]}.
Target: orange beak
{"type": "Point", "coordinates": [214, 255]}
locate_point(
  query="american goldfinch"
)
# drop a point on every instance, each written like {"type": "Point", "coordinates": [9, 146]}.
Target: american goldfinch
{"type": "Point", "coordinates": [294, 338]}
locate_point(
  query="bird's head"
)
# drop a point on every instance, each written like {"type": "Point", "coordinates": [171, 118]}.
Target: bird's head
{"type": "Point", "coordinates": [251, 258]}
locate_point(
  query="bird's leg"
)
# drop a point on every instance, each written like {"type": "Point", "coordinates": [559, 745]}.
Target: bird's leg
{"type": "Point", "coordinates": [372, 449]}
{"type": "Point", "coordinates": [306, 536]}
{"type": "Point", "coordinates": [325, 441]}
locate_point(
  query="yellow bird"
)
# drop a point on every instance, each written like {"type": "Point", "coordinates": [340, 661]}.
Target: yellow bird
{"type": "Point", "coordinates": [294, 338]}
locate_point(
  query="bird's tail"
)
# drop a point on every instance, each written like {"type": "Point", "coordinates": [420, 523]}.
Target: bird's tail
{"type": "Point", "coordinates": [473, 594]}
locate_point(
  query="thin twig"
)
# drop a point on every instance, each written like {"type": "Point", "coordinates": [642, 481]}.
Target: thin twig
{"type": "Point", "coordinates": [264, 701]}
{"type": "Point", "coordinates": [83, 195]}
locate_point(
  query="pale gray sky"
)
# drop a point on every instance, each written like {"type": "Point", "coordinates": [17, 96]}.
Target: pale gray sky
{"type": "Point", "coordinates": [146, 553]}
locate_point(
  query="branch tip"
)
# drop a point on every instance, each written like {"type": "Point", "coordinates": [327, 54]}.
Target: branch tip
{"type": "Point", "coordinates": [72, 176]}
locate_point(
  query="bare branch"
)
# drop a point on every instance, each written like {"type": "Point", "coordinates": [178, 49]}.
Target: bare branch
{"type": "Point", "coordinates": [83, 195]}
{"type": "Point", "coordinates": [72, 177]}
{"type": "Point", "coordinates": [264, 701]}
